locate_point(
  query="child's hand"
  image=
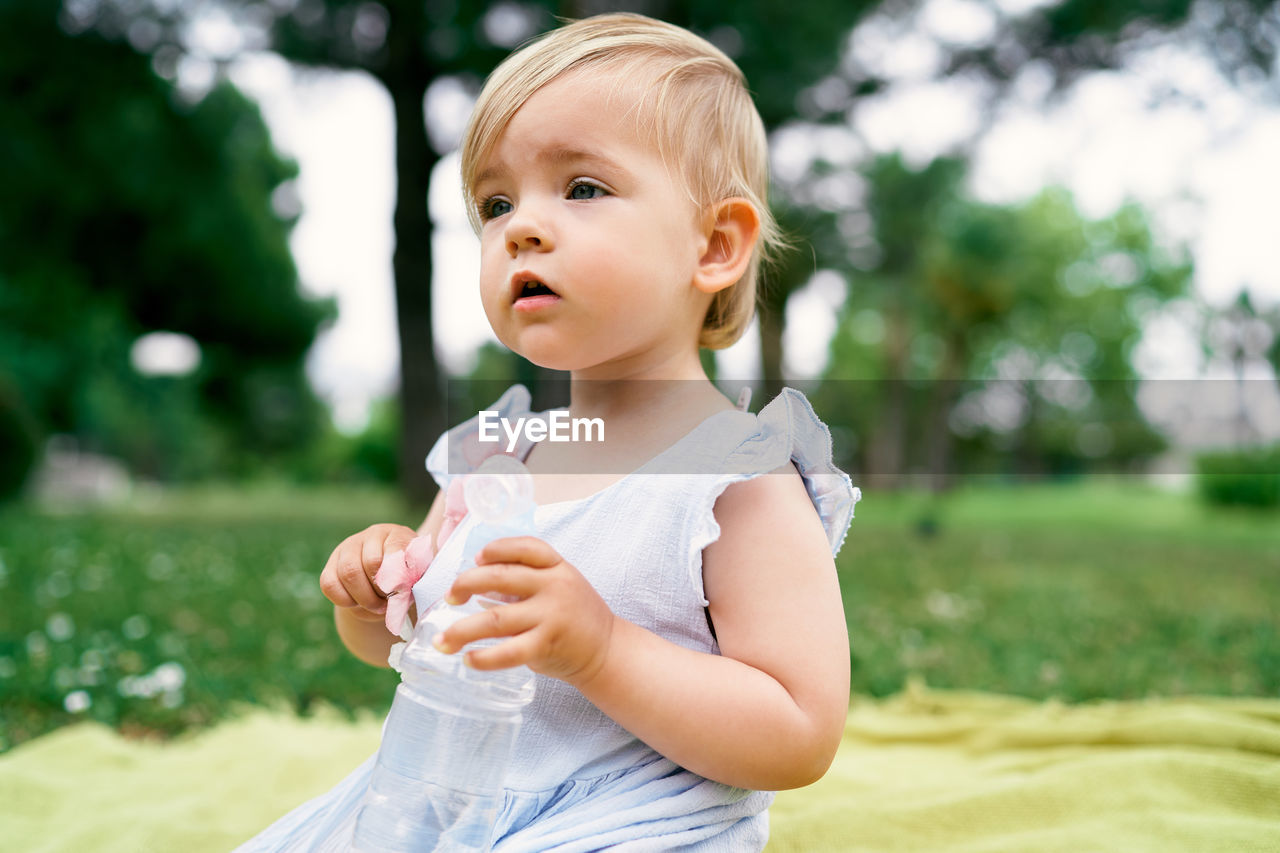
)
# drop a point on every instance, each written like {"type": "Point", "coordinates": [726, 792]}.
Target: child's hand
{"type": "Point", "coordinates": [347, 578]}
{"type": "Point", "coordinates": [560, 626]}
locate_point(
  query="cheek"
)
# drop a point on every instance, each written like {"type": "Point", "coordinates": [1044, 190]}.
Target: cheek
{"type": "Point", "coordinates": [493, 287]}
{"type": "Point", "coordinates": [493, 271]}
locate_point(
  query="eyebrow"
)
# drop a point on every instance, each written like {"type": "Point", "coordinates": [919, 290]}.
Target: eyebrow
{"type": "Point", "coordinates": [555, 155]}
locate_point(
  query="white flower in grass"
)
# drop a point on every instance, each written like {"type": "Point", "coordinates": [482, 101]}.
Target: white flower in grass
{"type": "Point", "coordinates": [77, 701]}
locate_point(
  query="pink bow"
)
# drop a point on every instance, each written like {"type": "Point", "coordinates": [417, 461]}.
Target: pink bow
{"type": "Point", "coordinates": [400, 570]}
{"type": "Point", "coordinates": [396, 576]}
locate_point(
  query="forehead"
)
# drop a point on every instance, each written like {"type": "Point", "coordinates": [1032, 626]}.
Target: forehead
{"type": "Point", "coordinates": [582, 110]}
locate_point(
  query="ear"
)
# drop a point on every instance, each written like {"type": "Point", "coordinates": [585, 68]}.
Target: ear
{"type": "Point", "coordinates": [732, 227]}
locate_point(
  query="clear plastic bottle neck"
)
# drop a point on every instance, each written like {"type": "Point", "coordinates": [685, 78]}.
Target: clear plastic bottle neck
{"type": "Point", "coordinates": [500, 489]}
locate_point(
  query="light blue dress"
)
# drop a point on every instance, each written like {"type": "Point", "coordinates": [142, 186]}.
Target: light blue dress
{"type": "Point", "coordinates": [579, 781]}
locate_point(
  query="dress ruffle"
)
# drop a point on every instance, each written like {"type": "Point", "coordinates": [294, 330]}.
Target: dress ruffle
{"type": "Point", "coordinates": [786, 430]}
{"type": "Point", "coordinates": [789, 429]}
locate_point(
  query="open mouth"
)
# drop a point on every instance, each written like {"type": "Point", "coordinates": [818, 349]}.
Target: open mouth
{"type": "Point", "coordinates": [528, 291]}
{"type": "Point", "coordinates": [534, 288]}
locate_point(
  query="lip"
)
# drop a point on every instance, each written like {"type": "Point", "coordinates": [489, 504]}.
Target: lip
{"type": "Point", "coordinates": [530, 302]}
{"type": "Point", "coordinates": [535, 303]}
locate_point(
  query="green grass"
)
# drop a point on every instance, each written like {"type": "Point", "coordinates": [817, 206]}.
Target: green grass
{"type": "Point", "coordinates": [176, 611]}
{"type": "Point", "coordinates": [1079, 592]}
{"type": "Point", "coordinates": [222, 584]}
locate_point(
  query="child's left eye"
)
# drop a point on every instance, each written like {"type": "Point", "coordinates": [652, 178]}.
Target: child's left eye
{"type": "Point", "coordinates": [581, 191]}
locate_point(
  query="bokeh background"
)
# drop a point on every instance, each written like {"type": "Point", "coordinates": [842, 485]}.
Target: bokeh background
{"type": "Point", "coordinates": [1036, 293]}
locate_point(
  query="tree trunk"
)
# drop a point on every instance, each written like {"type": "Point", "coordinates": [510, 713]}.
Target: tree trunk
{"type": "Point", "coordinates": [771, 349]}
{"type": "Point", "coordinates": [886, 450]}
{"type": "Point", "coordinates": [942, 399]}
{"type": "Point", "coordinates": [422, 410]}
{"type": "Point", "coordinates": [1029, 460]}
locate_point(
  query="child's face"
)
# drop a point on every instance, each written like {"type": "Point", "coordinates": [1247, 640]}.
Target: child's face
{"type": "Point", "coordinates": [573, 199]}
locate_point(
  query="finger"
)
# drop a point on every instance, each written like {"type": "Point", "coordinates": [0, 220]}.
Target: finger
{"type": "Point", "coordinates": [364, 615]}
{"type": "Point", "coordinates": [502, 621]}
{"type": "Point", "coordinates": [529, 550]}
{"type": "Point", "coordinates": [355, 580]}
{"type": "Point", "coordinates": [517, 651]}
{"type": "Point", "coordinates": [398, 539]}
{"type": "Point", "coordinates": [505, 578]}
{"type": "Point", "coordinates": [372, 551]}
{"type": "Point", "coordinates": [330, 584]}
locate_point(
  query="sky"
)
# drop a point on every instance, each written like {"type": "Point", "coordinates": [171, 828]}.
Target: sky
{"type": "Point", "coordinates": [1208, 174]}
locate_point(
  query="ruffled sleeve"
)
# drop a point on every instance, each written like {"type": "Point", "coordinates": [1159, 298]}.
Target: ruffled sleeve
{"type": "Point", "coordinates": [460, 451]}
{"type": "Point", "coordinates": [787, 429]}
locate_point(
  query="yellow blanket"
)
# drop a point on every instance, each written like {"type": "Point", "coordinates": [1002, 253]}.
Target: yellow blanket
{"type": "Point", "coordinates": [975, 773]}
{"type": "Point", "coordinates": [923, 771]}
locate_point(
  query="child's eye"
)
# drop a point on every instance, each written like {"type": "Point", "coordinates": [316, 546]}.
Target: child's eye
{"type": "Point", "coordinates": [494, 207]}
{"type": "Point", "coordinates": [584, 190]}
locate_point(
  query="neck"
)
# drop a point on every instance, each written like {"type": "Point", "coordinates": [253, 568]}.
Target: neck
{"type": "Point", "coordinates": [674, 389]}
{"type": "Point", "coordinates": [676, 364]}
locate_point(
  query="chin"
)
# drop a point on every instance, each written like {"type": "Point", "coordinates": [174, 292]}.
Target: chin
{"type": "Point", "coordinates": [551, 362]}
{"type": "Point", "coordinates": [542, 357]}
{"type": "Point", "coordinates": [550, 355]}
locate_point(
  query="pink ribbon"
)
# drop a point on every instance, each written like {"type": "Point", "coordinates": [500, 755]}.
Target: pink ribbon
{"type": "Point", "coordinates": [400, 570]}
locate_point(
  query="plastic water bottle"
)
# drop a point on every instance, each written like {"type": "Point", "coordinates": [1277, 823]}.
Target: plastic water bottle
{"type": "Point", "coordinates": [500, 495]}
{"type": "Point", "coordinates": [437, 781]}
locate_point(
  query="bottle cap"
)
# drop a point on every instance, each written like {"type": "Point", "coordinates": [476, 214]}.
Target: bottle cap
{"type": "Point", "coordinates": [500, 488]}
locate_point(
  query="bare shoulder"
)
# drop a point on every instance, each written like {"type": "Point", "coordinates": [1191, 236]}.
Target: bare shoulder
{"type": "Point", "coordinates": [774, 506]}
{"type": "Point", "coordinates": [769, 531]}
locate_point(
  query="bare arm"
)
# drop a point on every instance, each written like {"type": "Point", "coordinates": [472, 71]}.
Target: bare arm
{"type": "Point", "coordinates": [347, 581]}
{"type": "Point", "coordinates": [767, 713]}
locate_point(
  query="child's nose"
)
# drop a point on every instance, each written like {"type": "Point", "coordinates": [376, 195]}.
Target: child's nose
{"type": "Point", "coordinates": [526, 232]}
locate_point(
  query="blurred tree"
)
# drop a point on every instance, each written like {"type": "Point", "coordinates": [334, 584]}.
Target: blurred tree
{"type": "Point", "coordinates": [1051, 45]}
{"type": "Point", "coordinates": [18, 440]}
{"type": "Point", "coordinates": [813, 243]}
{"type": "Point", "coordinates": [411, 46]}
{"type": "Point", "coordinates": [902, 222]}
{"type": "Point", "coordinates": [127, 210]}
{"type": "Point", "coordinates": [1074, 37]}
{"type": "Point", "coordinates": [1064, 41]}
{"type": "Point", "coordinates": [1272, 319]}
{"type": "Point", "coordinates": [1246, 339]}
{"type": "Point", "coordinates": [970, 306]}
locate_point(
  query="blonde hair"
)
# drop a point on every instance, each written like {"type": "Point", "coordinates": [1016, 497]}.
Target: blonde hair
{"type": "Point", "coordinates": [697, 109]}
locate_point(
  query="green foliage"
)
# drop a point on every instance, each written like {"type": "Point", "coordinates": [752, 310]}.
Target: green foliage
{"type": "Point", "coordinates": [374, 449]}
{"type": "Point", "coordinates": [369, 456]}
{"type": "Point", "coordinates": [962, 297]}
{"type": "Point", "coordinates": [779, 54]}
{"type": "Point", "coordinates": [18, 441]}
{"type": "Point", "coordinates": [1248, 477]}
{"type": "Point", "coordinates": [128, 210]}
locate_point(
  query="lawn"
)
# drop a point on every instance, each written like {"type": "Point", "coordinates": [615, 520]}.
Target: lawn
{"type": "Point", "coordinates": [175, 612]}
{"type": "Point", "coordinates": [1109, 590]}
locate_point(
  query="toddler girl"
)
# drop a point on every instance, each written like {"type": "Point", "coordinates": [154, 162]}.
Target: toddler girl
{"type": "Point", "coordinates": [680, 608]}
